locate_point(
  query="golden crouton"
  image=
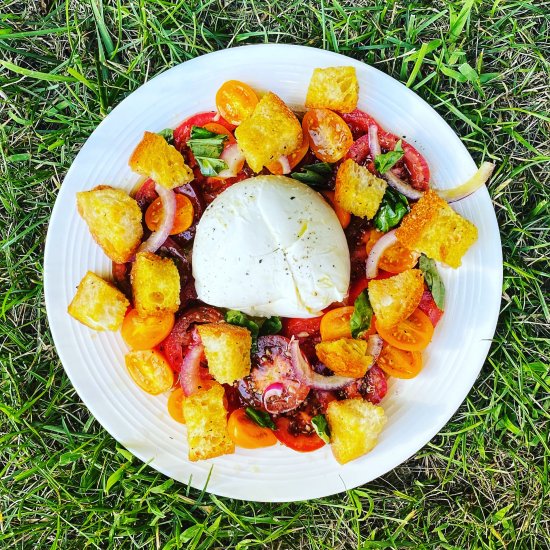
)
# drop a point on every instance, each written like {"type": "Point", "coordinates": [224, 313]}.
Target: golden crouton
{"type": "Point", "coordinates": [206, 420]}
{"type": "Point", "coordinates": [271, 131]}
{"type": "Point", "coordinates": [434, 228]}
{"type": "Point", "coordinates": [227, 350]}
{"type": "Point", "coordinates": [358, 190]}
{"type": "Point", "coordinates": [354, 425]}
{"type": "Point", "coordinates": [345, 357]}
{"type": "Point", "coordinates": [156, 159]}
{"type": "Point", "coordinates": [98, 304]}
{"type": "Point", "coordinates": [155, 284]}
{"type": "Point", "coordinates": [395, 299]}
{"type": "Point", "coordinates": [333, 88]}
{"type": "Point", "coordinates": [114, 220]}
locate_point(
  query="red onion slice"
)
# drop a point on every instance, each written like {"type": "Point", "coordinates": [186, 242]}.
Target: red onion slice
{"type": "Point", "coordinates": [234, 159]}
{"type": "Point", "coordinates": [157, 238]}
{"type": "Point", "coordinates": [381, 245]}
{"type": "Point", "coordinates": [309, 377]}
{"type": "Point", "coordinates": [374, 347]}
{"type": "Point", "coordinates": [273, 392]}
{"type": "Point", "coordinates": [374, 142]}
{"type": "Point", "coordinates": [190, 379]}
{"type": "Point", "coordinates": [285, 164]}
{"type": "Point", "coordinates": [479, 179]}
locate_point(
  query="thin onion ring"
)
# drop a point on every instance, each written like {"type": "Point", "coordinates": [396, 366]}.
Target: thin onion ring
{"type": "Point", "coordinates": [381, 245]}
{"type": "Point", "coordinates": [157, 238]}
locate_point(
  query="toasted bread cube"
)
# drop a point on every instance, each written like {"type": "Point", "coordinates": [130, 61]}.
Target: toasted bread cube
{"type": "Point", "coordinates": [358, 190]}
{"type": "Point", "coordinates": [227, 350]}
{"type": "Point", "coordinates": [114, 220]}
{"type": "Point", "coordinates": [206, 420]}
{"type": "Point", "coordinates": [98, 304]}
{"type": "Point", "coordinates": [395, 299]}
{"type": "Point", "coordinates": [333, 88]}
{"type": "Point", "coordinates": [355, 425]}
{"type": "Point", "coordinates": [345, 357]}
{"type": "Point", "coordinates": [155, 285]}
{"type": "Point", "coordinates": [434, 228]}
{"type": "Point", "coordinates": [155, 158]}
{"type": "Point", "coordinates": [271, 131]}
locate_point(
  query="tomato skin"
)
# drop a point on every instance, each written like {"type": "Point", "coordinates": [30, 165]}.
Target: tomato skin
{"type": "Point", "coordinates": [396, 258]}
{"type": "Point", "coordinates": [335, 324]}
{"type": "Point", "coordinates": [236, 101]}
{"type": "Point", "coordinates": [150, 371]}
{"type": "Point", "coordinates": [183, 218]}
{"type": "Point", "coordinates": [411, 334]}
{"type": "Point", "coordinates": [329, 135]}
{"type": "Point", "coordinates": [141, 333]}
{"type": "Point", "coordinates": [399, 363]}
{"type": "Point", "coordinates": [301, 328]}
{"type": "Point", "coordinates": [183, 131]}
{"type": "Point", "coordinates": [302, 443]}
{"type": "Point", "coordinates": [429, 307]}
{"type": "Point", "coordinates": [377, 385]}
{"type": "Point", "coordinates": [246, 433]}
{"type": "Point", "coordinates": [175, 405]}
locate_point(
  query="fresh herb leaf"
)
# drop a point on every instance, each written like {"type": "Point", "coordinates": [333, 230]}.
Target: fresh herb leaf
{"type": "Point", "coordinates": [433, 280]}
{"type": "Point", "coordinates": [168, 135]}
{"type": "Point", "coordinates": [315, 175]}
{"type": "Point", "coordinates": [235, 317]}
{"type": "Point", "coordinates": [260, 417]}
{"type": "Point", "coordinates": [320, 425]}
{"type": "Point", "coordinates": [207, 147]}
{"type": "Point", "coordinates": [272, 325]}
{"type": "Point", "coordinates": [392, 209]}
{"type": "Point", "coordinates": [385, 161]}
{"type": "Point", "coordinates": [362, 315]}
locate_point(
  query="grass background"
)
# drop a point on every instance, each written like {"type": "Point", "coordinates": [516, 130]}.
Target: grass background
{"type": "Point", "coordinates": [482, 482]}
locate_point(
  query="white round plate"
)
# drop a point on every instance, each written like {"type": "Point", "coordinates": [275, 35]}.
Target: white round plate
{"type": "Point", "coordinates": [417, 409]}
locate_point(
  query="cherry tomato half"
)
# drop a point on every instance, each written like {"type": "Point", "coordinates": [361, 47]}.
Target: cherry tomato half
{"type": "Point", "coordinates": [236, 101]}
{"type": "Point", "coordinates": [142, 333]}
{"type": "Point", "coordinates": [217, 128]}
{"type": "Point", "coordinates": [303, 443]}
{"type": "Point", "coordinates": [175, 405]}
{"type": "Point", "coordinates": [396, 258]}
{"type": "Point", "coordinates": [183, 218]}
{"type": "Point", "coordinates": [329, 135]}
{"type": "Point", "coordinates": [343, 216]}
{"type": "Point", "coordinates": [412, 334]}
{"type": "Point", "coordinates": [399, 363]}
{"type": "Point", "coordinates": [335, 323]}
{"type": "Point", "coordinates": [246, 433]}
{"type": "Point", "coordinates": [150, 371]}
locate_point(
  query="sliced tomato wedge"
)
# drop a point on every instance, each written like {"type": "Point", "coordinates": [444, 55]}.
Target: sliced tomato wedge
{"type": "Point", "coordinates": [411, 334]}
{"type": "Point", "coordinates": [429, 307]}
{"type": "Point", "coordinates": [399, 363]}
{"type": "Point", "coordinates": [287, 434]}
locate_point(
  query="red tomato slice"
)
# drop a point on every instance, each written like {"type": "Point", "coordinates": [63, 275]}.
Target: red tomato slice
{"type": "Point", "coordinates": [301, 442]}
{"type": "Point", "coordinates": [429, 307]}
{"type": "Point", "coordinates": [377, 385]}
{"type": "Point", "coordinates": [301, 328]}
{"type": "Point", "coordinates": [183, 131]}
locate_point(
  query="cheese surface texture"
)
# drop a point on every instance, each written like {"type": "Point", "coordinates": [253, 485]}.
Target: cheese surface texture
{"type": "Point", "coordinates": [270, 245]}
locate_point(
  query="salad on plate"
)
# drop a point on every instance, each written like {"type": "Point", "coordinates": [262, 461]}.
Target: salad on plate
{"type": "Point", "coordinates": [273, 269]}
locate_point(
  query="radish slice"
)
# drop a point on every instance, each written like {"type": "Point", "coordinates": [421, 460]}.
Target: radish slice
{"type": "Point", "coordinates": [190, 379]}
{"type": "Point", "coordinates": [309, 377]}
{"type": "Point", "coordinates": [273, 392]}
{"type": "Point", "coordinates": [234, 159]}
{"type": "Point", "coordinates": [374, 347]}
{"type": "Point", "coordinates": [285, 164]}
{"type": "Point", "coordinates": [157, 238]}
{"type": "Point", "coordinates": [381, 245]}
{"type": "Point", "coordinates": [479, 179]}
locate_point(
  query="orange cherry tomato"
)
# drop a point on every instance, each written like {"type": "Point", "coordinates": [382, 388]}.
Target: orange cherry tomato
{"type": "Point", "coordinates": [412, 334]}
{"type": "Point", "coordinates": [399, 363]}
{"type": "Point", "coordinates": [175, 405]}
{"type": "Point", "coordinates": [293, 159]}
{"type": "Point", "coordinates": [343, 216]}
{"type": "Point", "coordinates": [150, 371]}
{"type": "Point", "coordinates": [146, 332]}
{"type": "Point", "coordinates": [236, 101]}
{"type": "Point", "coordinates": [220, 129]}
{"type": "Point", "coordinates": [246, 433]}
{"type": "Point", "coordinates": [396, 258]}
{"type": "Point", "coordinates": [329, 136]}
{"type": "Point", "coordinates": [335, 323]}
{"type": "Point", "coordinates": [183, 218]}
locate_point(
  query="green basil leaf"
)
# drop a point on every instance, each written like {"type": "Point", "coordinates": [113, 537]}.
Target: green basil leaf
{"type": "Point", "coordinates": [392, 209]}
{"type": "Point", "coordinates": [168, 135]}
{"type": "Point", "coordinates": [272, 325]}
{"type": "Point", "coordinates": [362, 315]}
{"type": "Point", "coordinates": [385, 161]}
{"type": "Point", "coordinates": [315, 175]}
{"type": "Point", "coordinates": [320, 425]}
{"type": "Point", "coordinates": [207, 147]}
{"type": "Point", "coordinates": [261, 418]}
{"type": "Point", "coordinates": [433, 280]}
